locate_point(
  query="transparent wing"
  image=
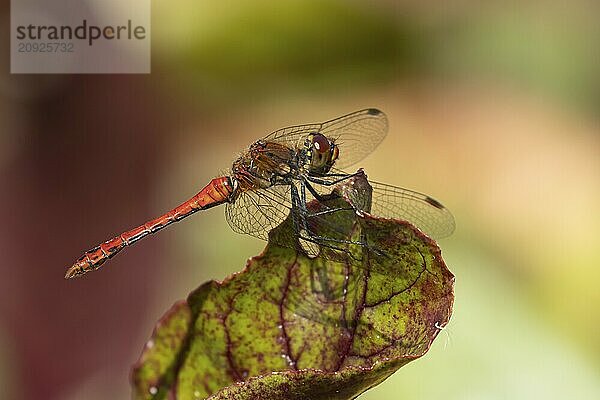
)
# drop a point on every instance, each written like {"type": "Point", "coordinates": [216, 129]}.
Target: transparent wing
{"type": "Point", "coordinates": [356, 134]}
{"type": "Point", "coordinates": [425, 212]}
{"type": "Point", "coordinates": [388, 201]}
{"type": "Point", "coordinates": [255, 213]}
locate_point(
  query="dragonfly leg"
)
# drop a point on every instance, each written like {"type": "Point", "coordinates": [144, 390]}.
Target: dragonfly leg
{"type": "Point", "coordinates": [301, 223]}
{"type": "Point", "coordinates": [322, 242]}
{"type": "Point", "coordinates": [311, 189]}
{"type": "Point", "coordinates": [299, 209]}
{"type": "Point", "coordinates": [320, 239]}
{"type": "Point", "coordinates": [304, 214]}
{"type": "Point", "coordinates": [307, 244]}
{"type": "Point", "coordinates": [317, 239]}
{"type": "Point", "coordinates": [320, 198]}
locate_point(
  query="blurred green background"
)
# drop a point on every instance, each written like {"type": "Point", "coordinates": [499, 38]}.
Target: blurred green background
{"type": "Point", "coordinates": [493, 109]}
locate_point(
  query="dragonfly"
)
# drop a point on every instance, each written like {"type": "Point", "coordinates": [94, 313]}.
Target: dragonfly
{"type": "Point", "coordinates": [278, 176]}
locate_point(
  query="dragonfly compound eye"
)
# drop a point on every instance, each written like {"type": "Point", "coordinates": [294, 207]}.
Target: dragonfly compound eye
{"type": "Point", "coordinates": [321, 144]}
{"type": "Point", "coordinates": [323, 155]}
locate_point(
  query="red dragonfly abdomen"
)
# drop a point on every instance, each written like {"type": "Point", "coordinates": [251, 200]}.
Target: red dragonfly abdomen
{"type": "Point", "coordinates": [218, 191]}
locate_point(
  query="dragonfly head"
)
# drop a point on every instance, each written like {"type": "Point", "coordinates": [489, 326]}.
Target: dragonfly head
{"type": "Point", "coordinates": [322, 153]}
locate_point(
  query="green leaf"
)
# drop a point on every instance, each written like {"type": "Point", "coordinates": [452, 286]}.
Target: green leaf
{"type": "Point", "coordinates": [292, 327]}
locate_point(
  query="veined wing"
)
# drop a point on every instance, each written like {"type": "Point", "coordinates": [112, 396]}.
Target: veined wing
{"type": "Point", "coordinates": [389, 201]}
{"type": "Point", "coordinates": [255, 213]}
{"type": "Point", "coordinates": [425, 212]}
{"type": "Point", "coordinates": [356, 134]}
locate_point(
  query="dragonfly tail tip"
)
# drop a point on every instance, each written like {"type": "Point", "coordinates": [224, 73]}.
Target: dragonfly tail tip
{"type": "Point", "coordinates": [73, 272]}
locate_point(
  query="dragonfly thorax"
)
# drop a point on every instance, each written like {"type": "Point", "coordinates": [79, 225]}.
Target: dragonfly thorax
{"type": "Point", "coordinates": [265, 164]}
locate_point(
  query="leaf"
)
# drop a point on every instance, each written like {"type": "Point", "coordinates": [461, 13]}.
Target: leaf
{"type": "Point", "coordinates": [292, 327]}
